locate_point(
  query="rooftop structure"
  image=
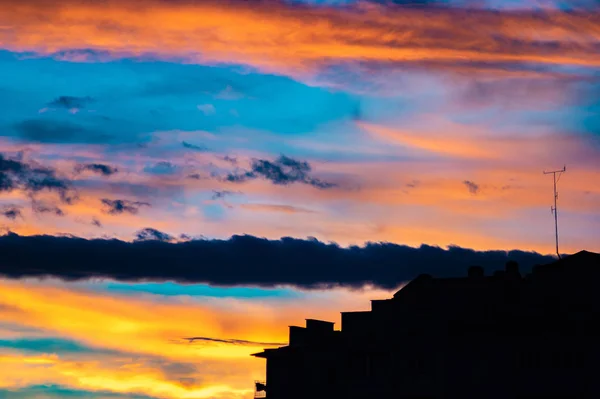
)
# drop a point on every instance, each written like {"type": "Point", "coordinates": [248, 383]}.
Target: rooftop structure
{"type": "Point", "coordinates": [499, 336]}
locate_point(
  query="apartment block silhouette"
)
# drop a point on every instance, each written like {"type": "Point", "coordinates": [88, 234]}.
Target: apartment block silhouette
{"type": "Point", "coordinates": [499, 336]}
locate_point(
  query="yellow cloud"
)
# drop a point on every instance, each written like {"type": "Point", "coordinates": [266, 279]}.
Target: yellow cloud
{"type": "Point", "coordinates": [136, 341]}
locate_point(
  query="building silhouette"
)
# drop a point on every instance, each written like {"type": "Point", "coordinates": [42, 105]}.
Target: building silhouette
{"type": "Point", "coordinates": [499, 336]}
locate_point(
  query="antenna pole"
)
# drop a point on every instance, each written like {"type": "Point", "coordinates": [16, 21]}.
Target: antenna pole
{"type": "Point", "coordinates": [556, 215]}
{"type": "Point", "coordinates": [555, 208]}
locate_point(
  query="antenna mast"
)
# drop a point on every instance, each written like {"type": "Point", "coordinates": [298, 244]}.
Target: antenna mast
{"type": "Point", "coordinates": [554, 209]}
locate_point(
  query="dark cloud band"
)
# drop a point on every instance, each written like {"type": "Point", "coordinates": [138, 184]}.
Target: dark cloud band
{"type": "Point", "coordinates": [243, 260]}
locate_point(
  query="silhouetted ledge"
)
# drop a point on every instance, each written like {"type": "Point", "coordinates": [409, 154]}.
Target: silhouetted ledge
{"type": "Point", "coordinates": [499, 336]}
{"type": "Point", "coordinates": [581, 262]}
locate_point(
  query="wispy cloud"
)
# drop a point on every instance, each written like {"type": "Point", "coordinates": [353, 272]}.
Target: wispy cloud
{"type": "Point", "coordinates": [232, 341]}
{"type": "Point", "coordinates": [102, 169]}
{"type": "Point", "coordinates": [162, 168]}
{"type": "Point", "coordinates": [471, 186]}
{"type": "Point", "coordinates": [11, 212]}
{"type": "Point", "coordinates": [195, 147]}
{"type": "Point", "coordinates": [282, 171]}
{"type": "Point", "coordinates": [70, 102]}
{"type": "Point", "coordinates": [32, 179]}
{"type": "Point", "coordinates": [120, 206]}
{"type": "Point", "coordinates": [222, 194]}
{"type": "Point", "coordinates": [41, 207]}
{"type": "Point", "coordinates": [206, 109]}
{"type": "Point", "coordinates": [150, 234]}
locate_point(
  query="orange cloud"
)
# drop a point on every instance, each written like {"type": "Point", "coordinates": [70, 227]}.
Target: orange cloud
{"type": "Point", "coordinates": [465, 142]}
{"type": "Point", "coordinates": [295, 39]}
{"type": "Point", "coordinates": [440, 143]}
{"type": "Point", "coordinates": [275, 208]}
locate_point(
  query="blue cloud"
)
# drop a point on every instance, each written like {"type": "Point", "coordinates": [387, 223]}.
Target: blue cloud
{"type": "Point", "coordinates": [47, 345]}
{"type": "Point", "coordinates": [71, 102]}
{"type": "Point", "coordinates": [162, 168]}
{"type": "Point", "coordinates": [194, 147]}
{"type": "Point", "coordinates": [589, 112]}
{"type": "Point", "coordinates": [45, 130]}
{"type": "Point", "coordinates": [199, 290]}
{"type": "Point", "coordinates": [58, 392]}
{"type": "Point", "coordinates": [133, 99]}
{"type": "Point", "coordinates": [214, 212]}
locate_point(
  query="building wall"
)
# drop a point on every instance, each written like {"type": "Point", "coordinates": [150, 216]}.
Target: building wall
{"type": "Point", "coordinates": [479, 337]}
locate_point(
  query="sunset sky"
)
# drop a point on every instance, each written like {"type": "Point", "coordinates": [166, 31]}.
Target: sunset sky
{"type": "Point", "coordinates": [339, 121]}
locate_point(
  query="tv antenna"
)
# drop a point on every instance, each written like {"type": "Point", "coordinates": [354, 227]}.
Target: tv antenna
{"type": "Point", "coordinates": [554, 209]}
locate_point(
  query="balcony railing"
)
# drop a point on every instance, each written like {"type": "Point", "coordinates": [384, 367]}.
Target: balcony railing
{"type": "Point", "coordinates": [260, 389]}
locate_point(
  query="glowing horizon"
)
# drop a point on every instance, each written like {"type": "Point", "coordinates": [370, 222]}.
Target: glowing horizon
{"type": "Point", "coordinates": [351, 122]}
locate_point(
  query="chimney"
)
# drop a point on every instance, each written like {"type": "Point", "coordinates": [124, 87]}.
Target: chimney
{"type": "Point", "coordinates": [297, 336]}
